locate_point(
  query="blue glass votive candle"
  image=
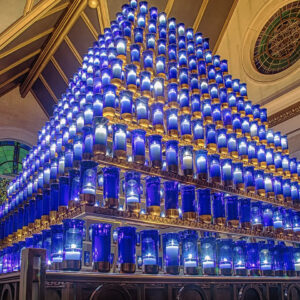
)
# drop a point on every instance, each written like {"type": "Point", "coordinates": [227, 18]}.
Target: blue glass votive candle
{"type": "Point", "coordinates": [289, 262]}
{"type": "Point", "coordinates": [226, 172]}
{"type": "Point", "coordinates": [188, 199]}
{"type": "Point", "coordinates": [138, 145]}
{"type": "Point", "coordinates": [172, 156]}
{"type": "Point", "coordinates": [296, 223]}
{"type": "Point", "coordinates": [150, 249]}
{"type": "Point", "coordinates": [155, 150]}
{"type": "Point", "coordinates": [116, 71]}
{"type": "Point", "coordinates": [278, 188]}
{"type": "Point", "coordinates": [119, 140]}
{"type": "Point", "coordinates": [88, 182]}
{"type": "Point", "coordinates": [157, 117]}
{"type": "Point", "coordinates": [239, 258]}
{"type": "Point", "coordinates": [172, 73]}
{"type": "Point", "coordinates": [245, 213]}
{"type": "Point", "coordinates": [266, 259]}
{"type": "Point", "coordinates": [161, 47]}
{"type": "Point", "coordinates": [222, 140]}
{"type": "Point", "coordinates": [259, 182]}
{"type": "Point", "coordinates": [252, 259]}
{"type": "Point", "coordinates": [125, 98]}
{"type": "Point", "coordinates": [171, 252]}
{"type": "Point", "coordinates": [171, 199]}
{"type": "Point", "coordinates": [225, 256]}
{"type": "Point", "coordinates": [267, 217]}
{"type": "Point", "coordinates": [237, 124]}
{"type": "Point", "coordinates": [232, 211]}
{"type": "Point", "coordinates": [218, 206]}
{"type": "Point", "coordinates": [295, 192]}
{"type": "Point", "coordinates": [186, 160]}
{"type": "Point", "coordinates": [172, 95]}
{"type": "Point", "coordinates": [148, 60]}
{"type": "Point", "coordinates": [256, 216]}
{"type": "Point", "coordinates": [158, 90]}
{"type": "Point", "coordinates": [127, 249]}
{"type": "Point", "coordinates": [284, 144]}
{"type": "Point", "coordinates": [88, 140]}
{"type": "Point", "coordinates": [201, 164]}
{"type": "Point", "coordinates": [74, 190]}
{"type": "Point", "coordinates": [278, 259]}
{"type": "Point", "coordinates": [46, 244]}
{"type": "Point", "coordinates": [198, 132]}
{"type": "Point", "coordinates": [186, 127]}
{"type": "Point", "coordinates": [131, 77]}
{"type": "Point", "coordinates": [135, 54]}
{"type": "Point", "coordinates": [109, 101]}
{"type": "Point", "coordinates": [133, 191]}
{"type": "Point", "coordinates": [150, 41]}
{"type": "Point", "coordinates": [237, 175]}
{"type": "Point", "coordinates": [253, 153]}
{"type": "Point", "coordinates": [142, 111]}
{"type": "Point", "coordinates": [184, 101]}
{"type": "Point", "coordinates": [278, 219]}
{"type": "Point", "coordinates": [121, 46]}
{"type": "Point", "coordinates": [286, 190]}
{"type": "Point", "coordinates": [208, 255]}
{"type": "Point", "coordinates": [57, 246]}
{"type": "Point", "coordinates": [172, 122]}
{"type": "Point", "coordinates": [46, 208]}
{"type": "Point", "coordinates": [145, 83]}
{"type": "Point", "coordinates": [204, 205]}
{"type": "Point", "coordinates": [160, 66]}
{"type": "Point", "coordinates": [242, 146]}
{"type": "Point", "coordinates": [100, 135]}
{"type": "Point", "coordinates": [111, 187]}
{"type": "Point", "coordinates": [288, 221]}
{"type": "Point", "coordinates": [189, 239]}
{"type": "Point", "coordinates": [232, 145]}
{"type": "Point", "coordinates": [72, 243]}
{"type": "Point", "coordinates": [269, 185]}
{"type": "Point", "coordinates": [207, 111]}
{"type": "Point", "coordinates": [101, 243]}
{"type": "Point", "coordinates": [249, 179]}
{"type": "Point", "coordinates": [153, 195]}
{"type": "Point", "coordinates": [214, 168]}
{"type": "Point", "coordinates": [210, 137]}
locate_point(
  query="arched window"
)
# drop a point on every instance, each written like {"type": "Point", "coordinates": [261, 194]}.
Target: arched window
{"type": "Point", "coordinates": [11, 155]}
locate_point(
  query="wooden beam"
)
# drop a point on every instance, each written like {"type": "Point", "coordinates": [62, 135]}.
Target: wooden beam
{"type": "Point", "coordinates": [200, 15]}
{"type": "Point", "coordinates": [169, 7]}
{"type": "Point", "coordinates": [28, 7]}
{"type": "Point", "coordinates": [100, 19]}
{"type": "Point", "coordinates": [60, 70]}
{"type": "Point", "coordinates": [56, 9]}
{"type": "Point", "coordinates": [8, 88]}
{"type": "Point", "coordinates": [225, 25]}
{"type": "Point", "coordinates": [18, 62]}
{"type": "Point", "coordinates": [24, 22]}
{"type": "Point", "coordinates": [48, 88]}
{"type": "Point", "coordinates": [29, 41]}
{"type": "Point", "coordinates": [104, 13]}
{"type": "Point", "coordinates": [73, 49]}
{"type": "Point", "coordinates": [11, 79]}
{"type": "Point", "coordinates": [70, 17]}
{"type": "Point", "coordinates": [89, 25]}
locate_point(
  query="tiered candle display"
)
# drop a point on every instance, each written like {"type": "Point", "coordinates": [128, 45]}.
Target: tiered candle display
{"type": "Point", "coordinates": [152, 127]}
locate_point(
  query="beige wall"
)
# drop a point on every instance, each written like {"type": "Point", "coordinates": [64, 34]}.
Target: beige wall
{"type": "Point", "coordinates": [20, 118]}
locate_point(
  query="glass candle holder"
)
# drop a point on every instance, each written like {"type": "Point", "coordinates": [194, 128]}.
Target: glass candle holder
{"type": "Point", "coordinates": [210, 137]}
{"type": "Point", "coordinates": [153, 195]}
{"type": "Point", "coordinates": [249, 179]}
{"type": "Point", "coordinates": [142, 112]}
{"type": "Point", "coordinates": [278, 188]}
{"type": "Point", "coordinates": [270, 138]}
{"type": "Point", "coordinates": [132, 191]}
{"type": "Point", "coordinates": [173, 76]}
{"type": "Point", "coordinates": [256, 216]}
{"type": "Point", "coordinates": [148, 60]}
{"type": "Point", "coordinates": [155, 150]}
{"type": "Point", "coordinates": [126, 249]}
{"type": "Point", "coordinates": [46, 244]}
{"type": "Point", "coordinates": [138, 145]}
{"type": "Point", "coordinates": [222, 141]}
{"type": "Point", "coordinates": [237, 174]}
{"type": "Point", "coordinates": [208, 255]}
{"type": "Point", "coordinates": [196, 105]}
{"type": "Point", "coordinates": [226, 172]}
{"type": "Point", "coordinates": [269, 187]}
{"type": "Point", "coordinates": [111, 187]}
{"type": "Point", "coordinates": [171, 252]}
{"type": "Point", "coordinates": [185, 127]}
{"type": "Point", "coordinates": [171, 199]}
{"type": "Point", "coordinates": [160, 66]}
{"type": "Point", "coordinates": [252, 258]}
{"type": "Point", "coordinates": [46, 208]}
{"type": "Point", "coordinates": [204, 205]}
{"type": "Point", "coordinates": [207, 111]}
{"type": "Point", "coordinates": [278, 220]}
{"type": "Point", "coordinates": [198, 132]}
{"type": "Point", "coordinates": [109, 101]}
{"type": "Point", "coordinates": [259, 182]}
{"type": "Point", "coordinates": [100, 135]}
{"type": "Point", "coordinates": [135, 54]}
{"type": "Point", "coordinates": [116, 71]}
{"type": "Point", "coordinates": [172, 122]}
{"type": "Point", "coordinates": [131, 77]}
{"type": "Point", "coordinates": [172, 156]}
{"type": "Point", "coordinates": [266, 259]}
{"type": "Point", "coordinates": [88, 182]}
{"type": "Point", "coordinates": [72, 241]}
{"type": "Point", "coordinates": [119, 140]}
{"type": "Point", "coordinates": [288, 221]}
{"type": "Point", "coordinates": [284, 144]}
{"type": "Point", "coordinates": [225, 256]}
{"type": "Point", "coordinates": [188, 199]}
{"type": "Point", "coordinates": [158, 90]}
{"type": "Point", "coordinates": [125, 98]}
{"type": "Point", "coordinates": [121, 47]}
{"type": "Point", "coordinates": [289, 262]}
{"type": "Point", "coordinates": [57, 246]}
{"type": "Point", "coordinates": [239, 258]}
{"type": "Point", "coordinates": [189, 239]}
{"type": "Point", "coordinates": [157, 117]}
{"type": "Point", "coordinates": [162, 47]}
{"type": "Point", "coordinates": [186, 160]}
{"type": "Point", "coordinates": [101, 243]}
{"type": "Point", "coordinates": [286, 190]}
{"type": "Point", "coordinates": [184, 101]}
{"type": "Point", "coordinates": [278, 256]}
{"type": "Point", "coordinates": [150, 248]}
{"type": "Point", "coordinates": [267, 217]}
{"type": "Point", "coordinates": [295, 192]}
{"type": "Point", "coordinates": [297, 260]}
{"type": "Point", "coordinates": [145, 83]}
{"type": "Point", "coordinates": [232, 145]}
{"type": "Point", "coordinates": [214, 168]}
{"type": "Point", "coordinates": [232, 211]}
{"type": "Point", "coordinates": [218, 205]}
{"type": "Point", "coordinates": [296, 223]}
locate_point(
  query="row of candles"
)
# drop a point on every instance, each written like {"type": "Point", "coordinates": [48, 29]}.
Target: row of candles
{"type": "Point", "coordinates": [215, 256]}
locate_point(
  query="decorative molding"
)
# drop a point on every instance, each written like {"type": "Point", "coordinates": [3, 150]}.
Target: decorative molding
{"type": "Point", "coordinates": [60, 70]}
{"type": "Point", "coordinates": [11, 79]}
{"type": "Point", "coordinates": [18, 62]}
{"type": "Point", "coordinates": [73, 49]}
{"type": "Point", "coordinates": [284, 115]}
{"type": "Point", "coordinates": [28, 7]}
{"type": "Point", "coordinates": [169, 7]}
{"type": "Point", "coordinates": [70, 17]}
{"type": "Point", "coordinates": [104, 13]}
{"type": "Point", "coordinates": [89, 25]}
{"type": "Point", "coordinates": [24, 22]}
{"type": "Point", "coordinates": [21, 45]}
{"type": "Point", "coordinates": [225, 25]}
{"type": "Point", "coordinates": [48, 88]}
{"type": "Point", "coordinates": [200, 15]}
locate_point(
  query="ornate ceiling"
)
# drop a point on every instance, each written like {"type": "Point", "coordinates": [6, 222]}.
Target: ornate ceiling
{"type": "Point", "coordinates": [45, 46]}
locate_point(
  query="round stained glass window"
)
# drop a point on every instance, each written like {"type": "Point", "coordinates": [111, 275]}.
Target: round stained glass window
{"type": "Point", "coordinates": [278, 44]}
